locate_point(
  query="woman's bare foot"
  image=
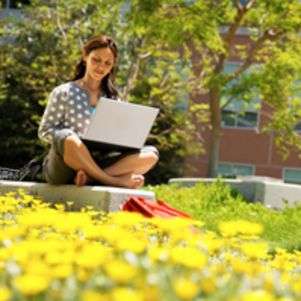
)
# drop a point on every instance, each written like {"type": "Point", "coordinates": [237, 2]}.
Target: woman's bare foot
{"type": "Point", "coordinates": [81, 178]}
{"type": "Point", "coordinates": [132, 181]}
{"type": "Point", "coordinates": [139, 181]}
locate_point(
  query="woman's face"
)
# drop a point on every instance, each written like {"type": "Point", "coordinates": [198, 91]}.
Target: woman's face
{"type": "Point", "coordinates": [99, 63]}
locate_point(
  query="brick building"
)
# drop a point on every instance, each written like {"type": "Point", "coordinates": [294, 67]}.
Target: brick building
{"type": "Point", "coordinates": [243, 150]}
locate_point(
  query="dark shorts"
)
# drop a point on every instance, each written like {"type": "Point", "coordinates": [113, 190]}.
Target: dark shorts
{"type": "Point", "coordinates": [55, 170]}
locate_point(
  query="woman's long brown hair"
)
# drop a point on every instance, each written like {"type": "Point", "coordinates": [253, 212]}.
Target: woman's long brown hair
{"type": "Point", "coordinates": [107, 83]}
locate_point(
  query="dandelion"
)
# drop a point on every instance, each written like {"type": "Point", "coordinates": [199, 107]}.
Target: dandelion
{"type": "Point", "coordinates": [255, 250]}
{"type": "Point", "coordinates": [5, 294]}
{"type": "Point", "coordinates": [92, 256]}
{"type": "Point", "coordinates": [130, 243]}
{"type": "Point", "coordinates": [296, 285]}
{"type": "Point", "coordinates": [127, 294]}
{"type": "Point", "coordinates": [189, 257]}
{"type": "Point", "coordinates": [91, 295]}
{"type": "Point", "coordinates": [157, 253]}
{"type": "Point", "coordinates": [61, 271]}
{"type": "Point", "coordinates": [127, 219]}
{"type": "Point", "coordinates": [30, 284]}
{"type": "Point", "coordinates": [233, 228]}
{"type": "Point", "coordinates": [120, 271]}
{"type": "Point", "coordinates": [185, 289]}
{"type": "Point", "coordinates": [208, 285]}
{"type": "Point", "coordinates": [257, 295]}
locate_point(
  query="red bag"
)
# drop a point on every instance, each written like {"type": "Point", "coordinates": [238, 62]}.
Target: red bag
{"type": "Point", "coordinates": [151, 208]}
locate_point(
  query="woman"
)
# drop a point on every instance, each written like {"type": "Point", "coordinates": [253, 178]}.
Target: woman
{"type": "Point", "coordinates": [68, 113]}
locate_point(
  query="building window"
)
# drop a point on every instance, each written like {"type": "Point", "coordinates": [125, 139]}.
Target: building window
{"type": "Point", "coordinates": [231, 170]}
{"type": "Point", "coordinates": [238, 113]}
{"type": "Point", "coordinates": [292, 175]}
{"type": "Point", "coordinates": [237, 119]}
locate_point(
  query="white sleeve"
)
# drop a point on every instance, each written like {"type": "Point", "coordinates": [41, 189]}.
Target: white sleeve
{"type": "Point", "coordinates": [52, 119]}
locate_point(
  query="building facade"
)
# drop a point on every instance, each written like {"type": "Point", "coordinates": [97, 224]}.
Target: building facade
{"type": "Point", "coordinates": [244, 150]}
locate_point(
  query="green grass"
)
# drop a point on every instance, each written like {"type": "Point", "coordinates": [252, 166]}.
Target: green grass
{"type": "Point", "coordinates": [217, 202]}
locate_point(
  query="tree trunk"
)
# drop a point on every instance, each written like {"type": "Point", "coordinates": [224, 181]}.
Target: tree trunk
{"type": "Point", "coordinates": [215, 121]}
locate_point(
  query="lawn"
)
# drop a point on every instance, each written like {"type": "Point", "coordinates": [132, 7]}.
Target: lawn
{"type": "Point", "coordinates": [218, 202]}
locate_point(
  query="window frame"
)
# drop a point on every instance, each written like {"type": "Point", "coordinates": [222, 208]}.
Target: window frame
{"type": "Point", "coordinates": [290, 168]}
{"type": "Point", "coordinates": [252, 166]}
{"type": "Point", "coordinates": [236, 113]}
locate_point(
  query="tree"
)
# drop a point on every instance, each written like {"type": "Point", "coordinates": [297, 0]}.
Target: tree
{"type": "Point", "coordinates": [270, 62]}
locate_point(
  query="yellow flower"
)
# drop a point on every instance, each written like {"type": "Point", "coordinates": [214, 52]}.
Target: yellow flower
{"type": "Point", "coordinates": [37, 267]}
{"type": "Point", "coordinates": [92, 231]}
{"type": "Point", "coordinates": [61, 271]}
{"type": "Point", "coordinates": [83, 275]}
{"type": "Point", "coordinates": [257, 295]}
{"type": "Point", "coordinates": [208, 285]}
{"type": "Point", "coordinates": [185, 289]}
{"type": "Point", "coordinates": [296, 285]}
{"type": "Point", "coordinates": [152, 293]}
{"type": "Point", "coordinates": [233, 228]}
{"type": "Point", "coordinates": [120, 271]}
{"type": "Point", "coordinates": [268, 284]}
{"type": "Point", "coordinates": [92, 256]}
{"type": "Point", "coordinates": [212, 243]}
{"type": "Point", "coordinates": [255, 250]}
{"type": "Point", "coordinates": [91, 295]}
{"type": "Point", "coordinates": [126, 294]}
{"type": "Point", "coordinates": [5, 294]}
{"type": "Point", "coordinates": [58, 257]}
{"type": "Point", "coordinates": [189, 257]}
{"type": "Point", "coordinates": [111, 233]}
{"type": "Point", "coordinates": [283, 261]}
{"type": "Point", "coordinates": [172, 225]}
{"type": "Point", "coordinates": [126, 219]}
{"type": "Point", "coordinates": [4, 253]}
{"type": "Point", "coordinates": [30, 284]}
{"type": "Point", "coordinates": [157, 253]}
{"type": "Point", "coordinates": [131, 243]}
{"type": "Point", "coordinates": [11, 232]}
{"type": "Point", "coordinates": [246, 267]}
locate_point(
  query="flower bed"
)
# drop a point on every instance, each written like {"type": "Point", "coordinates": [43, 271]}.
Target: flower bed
{"type": "Point", "coordinates": [49, 254]}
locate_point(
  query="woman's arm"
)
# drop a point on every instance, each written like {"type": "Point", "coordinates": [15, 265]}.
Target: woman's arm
{"type": "Point", "coordinates": [52, 119]}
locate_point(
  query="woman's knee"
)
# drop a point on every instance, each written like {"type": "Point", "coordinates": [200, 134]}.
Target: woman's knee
{"type": "Point", "coordinates": [150, 158]}
{"type": "Point", "coordinates": [71, 142]}
{"type": "Point", "coordinates": [152, 154]}
{"type": "Point", "coordinates": [71, 145]}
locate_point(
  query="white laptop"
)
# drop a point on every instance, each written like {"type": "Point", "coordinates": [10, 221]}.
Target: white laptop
{"type": "Point", "coordinates": [118, 125]}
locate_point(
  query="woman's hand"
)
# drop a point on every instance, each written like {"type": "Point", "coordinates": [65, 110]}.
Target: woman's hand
{"type": "Point", "coordinates": [130, 181]}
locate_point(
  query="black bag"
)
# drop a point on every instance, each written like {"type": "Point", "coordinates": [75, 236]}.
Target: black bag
{"type": "Point", "coordinates": [29, 171]}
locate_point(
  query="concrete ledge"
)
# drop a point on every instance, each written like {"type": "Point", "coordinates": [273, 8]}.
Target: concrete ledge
{"type": "Point", "coordinates": [100, 197]}
{"type": "Point", "coordinates": [273, 193]}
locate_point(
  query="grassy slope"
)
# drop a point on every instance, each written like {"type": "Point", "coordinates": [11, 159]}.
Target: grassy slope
{"type": "Point", "coordinates": [217, 202]}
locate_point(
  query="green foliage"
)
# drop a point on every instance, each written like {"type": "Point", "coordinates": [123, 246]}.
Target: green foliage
{"type": "Point", "coordinates": [214, 203]}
